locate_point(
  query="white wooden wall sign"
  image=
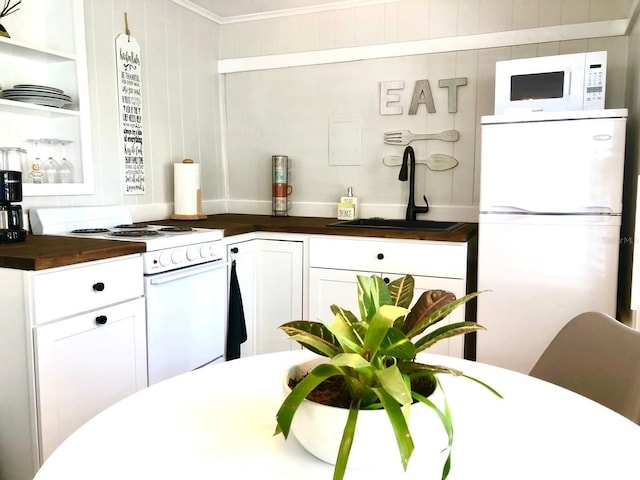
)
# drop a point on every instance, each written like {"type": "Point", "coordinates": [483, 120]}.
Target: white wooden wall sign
{"type": "Point", "coordinates": [129, 70]}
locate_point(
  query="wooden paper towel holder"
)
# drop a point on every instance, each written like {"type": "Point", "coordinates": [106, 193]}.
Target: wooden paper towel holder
{"type": "Point", "coordinates": [193, 216]}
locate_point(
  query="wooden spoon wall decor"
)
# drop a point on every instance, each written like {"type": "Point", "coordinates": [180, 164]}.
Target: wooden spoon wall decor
{"type": "Point", "coordinates": [437, 161]}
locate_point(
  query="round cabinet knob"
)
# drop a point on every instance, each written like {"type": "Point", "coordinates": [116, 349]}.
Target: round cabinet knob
{"type": "Point", "coordinates": [234, 250]}
{"type": "Point", "coordinates": [386, 280]}
{"type": "Point", "coordinates": [177, 256]}
{"type": "Point", "coordinates": [380, 256]}
{"type": "Point", "coordinates": [101, 319]}
{"type": "Point", "coordinates": [164, 259]}
{"type": "Point", "coordinates": [192, 254]}
{"type": "Point", "coordinates": [98, 287]}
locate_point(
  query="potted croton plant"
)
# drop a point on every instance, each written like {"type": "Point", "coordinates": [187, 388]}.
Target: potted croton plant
{"type": "Point", "coordinates": [371, 363]}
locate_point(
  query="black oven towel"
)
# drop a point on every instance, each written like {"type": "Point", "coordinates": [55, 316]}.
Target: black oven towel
{"type": "Point", "coordinates": [236, 326]}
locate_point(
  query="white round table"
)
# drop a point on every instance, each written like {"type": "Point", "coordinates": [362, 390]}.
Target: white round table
{"type": "Point", "coordinates": [218, 423]}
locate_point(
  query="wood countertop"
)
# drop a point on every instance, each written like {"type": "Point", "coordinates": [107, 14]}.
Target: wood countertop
{"type": "Point", "coordinates": [235, 224]}
{"type": "Point", "coordinates": [39, 252]}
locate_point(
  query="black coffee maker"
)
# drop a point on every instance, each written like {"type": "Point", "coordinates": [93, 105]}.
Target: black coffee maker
{"type": "Point", "coordinates": [10, 192]}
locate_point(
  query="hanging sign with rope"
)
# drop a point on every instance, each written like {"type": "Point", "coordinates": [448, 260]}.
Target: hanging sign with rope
{"type": "Point", "coordinates": [129, 70]}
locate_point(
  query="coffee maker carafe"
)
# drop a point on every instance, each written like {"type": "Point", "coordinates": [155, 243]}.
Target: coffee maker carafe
{"type": "Point", "coordinates": [11, 192]}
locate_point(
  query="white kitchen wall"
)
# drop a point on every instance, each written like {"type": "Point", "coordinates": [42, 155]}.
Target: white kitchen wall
{"type": "Point", "coordinates": [181, 108]}
{"type": "Point", "coordinates": [405, 20]}
{"type": "Point", "coordinates": [287, 110]}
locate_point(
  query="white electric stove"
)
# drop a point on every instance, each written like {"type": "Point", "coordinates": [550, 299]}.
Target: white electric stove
{"type": "Point", "coordinates": [168, 247]}
{"type": "Point", "coordinates": [185, 282]}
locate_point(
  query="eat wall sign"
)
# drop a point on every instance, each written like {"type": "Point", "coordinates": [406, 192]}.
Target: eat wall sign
{"type": "Point", "coordinates": [421, 95]}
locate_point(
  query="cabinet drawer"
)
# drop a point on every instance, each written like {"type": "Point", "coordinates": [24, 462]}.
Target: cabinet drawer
{"type": "Point", "coordinates": [434, 259]}
{"type": "Point", "coordinates": [72, 290]}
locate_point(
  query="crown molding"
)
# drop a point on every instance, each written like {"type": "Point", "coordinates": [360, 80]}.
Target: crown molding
{"type": "Point", "coordinates": [199, 10]}
{"type": "Point", "coordinates": [632, 15]}
{"type": "Point", "coordinates": [278, 13]}
{"type": "Point", "coordinates": [304, 10]}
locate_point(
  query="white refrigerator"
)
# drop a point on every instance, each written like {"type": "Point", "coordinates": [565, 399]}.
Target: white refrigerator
{"type": "Point", "coordinates": [549, 227]}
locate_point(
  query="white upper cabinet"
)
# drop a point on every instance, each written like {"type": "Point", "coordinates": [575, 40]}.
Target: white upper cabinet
{"type": "Point", "coordinates": [47, 48]}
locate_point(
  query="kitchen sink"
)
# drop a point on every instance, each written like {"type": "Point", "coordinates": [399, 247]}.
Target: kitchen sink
{"type": "Point", "coordinates": [425, 225]}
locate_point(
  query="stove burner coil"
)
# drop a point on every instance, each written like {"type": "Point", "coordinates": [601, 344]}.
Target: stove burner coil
{"type": "Point", "coordinates": [136, 233]}
{"type": "Point", "coordinates": [176, 229]}
{"type": "Point", "coordinates": [90, 230]}
{"type": "Point", "coordinates": [132, 225]}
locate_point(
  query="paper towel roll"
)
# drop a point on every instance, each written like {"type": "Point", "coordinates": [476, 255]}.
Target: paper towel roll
{"type": "Point", "coordinates": [186, 191]}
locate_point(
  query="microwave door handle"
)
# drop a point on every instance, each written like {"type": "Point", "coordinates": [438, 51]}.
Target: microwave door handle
{"type": "Point", "coordinates": [569, 83]}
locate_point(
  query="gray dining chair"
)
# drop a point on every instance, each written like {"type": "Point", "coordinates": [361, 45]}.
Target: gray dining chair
{"type": "Point", "coordinates": [598, 357]}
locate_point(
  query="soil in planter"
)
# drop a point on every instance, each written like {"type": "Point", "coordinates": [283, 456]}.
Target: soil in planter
{"type": "Point", "coordinates": [333, 391]}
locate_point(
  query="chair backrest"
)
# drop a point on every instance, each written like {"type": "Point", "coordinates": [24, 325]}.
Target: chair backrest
{"type": "Point", "coordinates": [598, 357]}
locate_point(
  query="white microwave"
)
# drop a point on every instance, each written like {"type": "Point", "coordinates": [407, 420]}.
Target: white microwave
{"type": "Point", "coordinates": [551, 84]}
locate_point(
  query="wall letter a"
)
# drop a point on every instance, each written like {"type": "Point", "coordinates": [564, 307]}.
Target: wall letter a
{"type": "Point", "coordinates": [422, 94]}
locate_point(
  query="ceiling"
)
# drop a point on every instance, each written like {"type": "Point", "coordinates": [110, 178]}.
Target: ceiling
{"type": "Point", "coordinates": [225, 9]}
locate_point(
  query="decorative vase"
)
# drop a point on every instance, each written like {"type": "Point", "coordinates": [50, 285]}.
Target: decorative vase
{"type": "Point", "coordinates": [319, 429]}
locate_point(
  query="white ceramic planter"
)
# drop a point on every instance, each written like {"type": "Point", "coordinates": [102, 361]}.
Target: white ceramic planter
{"type": "Point", "coordinates": [319, 429]}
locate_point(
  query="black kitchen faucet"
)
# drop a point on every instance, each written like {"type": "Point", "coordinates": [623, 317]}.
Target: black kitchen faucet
{"type": "Point", "coordinates": [412, 208]}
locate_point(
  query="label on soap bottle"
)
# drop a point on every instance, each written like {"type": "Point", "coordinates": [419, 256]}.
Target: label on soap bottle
{"type": "Point", "coordinates": [346, 211]}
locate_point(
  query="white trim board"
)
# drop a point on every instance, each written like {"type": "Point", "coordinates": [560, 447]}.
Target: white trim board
{"type": "Point", "coordinates": [611, 28]}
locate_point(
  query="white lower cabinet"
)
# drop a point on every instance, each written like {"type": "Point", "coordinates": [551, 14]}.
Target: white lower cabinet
{"type": "Point", "coordinates": [270, 276]}
{"type": "Point", "coordinates": [75, 340]}
{"type": "Point", "coordinates": [335, 263]}
{"type": "Point", "coordinates": [85, 364]}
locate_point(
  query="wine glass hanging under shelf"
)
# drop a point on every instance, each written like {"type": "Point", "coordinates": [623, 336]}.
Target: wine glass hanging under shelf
{"type": "Point", "coordinates": [44, 165]}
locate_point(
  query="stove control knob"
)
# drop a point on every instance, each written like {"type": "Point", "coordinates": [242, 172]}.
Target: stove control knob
{"type": "Point", "coordinates": [164, 259]}
{"type": "Point", "coordinates": [192, 254]}
{"type": "Point", "coordinates": [177, 256]}
{"type": "Point", "coordinates": [204, 251]}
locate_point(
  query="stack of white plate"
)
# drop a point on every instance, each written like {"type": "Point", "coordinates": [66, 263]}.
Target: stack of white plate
{"type": "Point", "coordinates": [37, 94]}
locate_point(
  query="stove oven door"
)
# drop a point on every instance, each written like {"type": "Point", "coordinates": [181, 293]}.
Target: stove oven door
{"type": "Point", "coordinates": [186, 312]}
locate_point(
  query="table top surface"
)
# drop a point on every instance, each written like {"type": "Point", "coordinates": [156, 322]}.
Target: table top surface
{"type": "Point", "coordinates": [220, 420]}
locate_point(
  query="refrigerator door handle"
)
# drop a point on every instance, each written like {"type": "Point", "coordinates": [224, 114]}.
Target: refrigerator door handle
{"type": "Point", "coordinates": [507, 209]}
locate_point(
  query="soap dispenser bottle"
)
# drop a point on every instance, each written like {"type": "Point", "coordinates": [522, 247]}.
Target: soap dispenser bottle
{"type": "Point", "coordinates": [348, 206]}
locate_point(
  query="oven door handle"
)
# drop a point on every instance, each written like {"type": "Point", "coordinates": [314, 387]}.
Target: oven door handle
{"type": "Point", "coordinates": [167, 277]}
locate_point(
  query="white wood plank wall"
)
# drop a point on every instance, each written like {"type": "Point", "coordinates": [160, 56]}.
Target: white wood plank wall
{"type": "Point", "coordinates": [181, 104]}
{"type": "Point", "coordinates": [287, 79]}
{"type": "Point", "coordinates": [233, 123]}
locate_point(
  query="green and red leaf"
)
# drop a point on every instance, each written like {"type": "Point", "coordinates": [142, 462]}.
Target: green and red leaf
{"type": "Point", "coordinates": [315, 336]}
{"type": "Point", "coordinates": [425, 311]}
{"type": "Point", "coordinates": [432, 307]}
{"type": "Point", "coordinates": [401, 291]}
{"type": "Point", "coordinates": [446, 331]}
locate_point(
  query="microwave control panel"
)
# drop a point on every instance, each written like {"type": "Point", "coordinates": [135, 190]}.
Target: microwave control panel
{"type": "Point", "coordinates": [595, 76]}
